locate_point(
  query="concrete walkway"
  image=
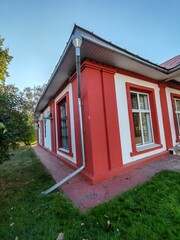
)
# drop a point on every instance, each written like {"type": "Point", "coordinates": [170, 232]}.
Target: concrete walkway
{"type": "Point", "coordinates": [84, 196]}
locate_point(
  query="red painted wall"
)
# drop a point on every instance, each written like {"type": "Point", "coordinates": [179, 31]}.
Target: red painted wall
{"type": "Point", "coordinates": [165, 115]}
{"type": "Point", "coordinates": [76, 124]}
{"type": "Point", "coordinates": [100, 121]}
{"type": "Point", "coordinates": [96, 121]}
{"type": "Point", "coordinates": [111, 120]}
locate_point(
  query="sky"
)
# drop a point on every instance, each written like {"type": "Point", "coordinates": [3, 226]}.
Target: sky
{"type": "Point", "coordinates": [36, 31]}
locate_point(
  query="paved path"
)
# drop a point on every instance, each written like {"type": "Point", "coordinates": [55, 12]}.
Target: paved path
{"type": "Point", "coordinates": [84, 196]}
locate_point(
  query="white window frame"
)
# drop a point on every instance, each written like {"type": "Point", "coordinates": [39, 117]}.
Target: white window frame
{"type": "Point", "coordinates": [177, 112]}
{"type": "Point", "coordinates": [140, 111]}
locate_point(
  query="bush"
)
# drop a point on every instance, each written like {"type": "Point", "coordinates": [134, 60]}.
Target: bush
{"type": "Point", "coordinates": [16, 123]}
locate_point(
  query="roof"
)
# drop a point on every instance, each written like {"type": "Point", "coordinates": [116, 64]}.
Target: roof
{"type": "Point", "coordinates": [171, 63]}
{"type": "Point", "coordinates": [98, 49]}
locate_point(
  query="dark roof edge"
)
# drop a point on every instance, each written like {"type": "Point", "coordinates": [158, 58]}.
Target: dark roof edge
{"type": "Point", "coordinates": [56, 67]}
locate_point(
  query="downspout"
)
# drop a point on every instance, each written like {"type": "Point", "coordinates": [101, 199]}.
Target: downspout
{"type": "Point", "coordinates": [77, 41]}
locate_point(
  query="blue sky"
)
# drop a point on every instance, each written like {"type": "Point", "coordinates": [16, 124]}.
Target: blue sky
{"type": "Point", "coordinates": [36, 31]}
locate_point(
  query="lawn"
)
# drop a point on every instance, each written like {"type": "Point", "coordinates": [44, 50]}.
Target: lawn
{"type": "Point", "coordinates": [150, 211]}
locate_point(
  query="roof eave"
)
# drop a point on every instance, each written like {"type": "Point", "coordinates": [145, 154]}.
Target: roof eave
{"type": "Point", "coordinates": [94, 39]}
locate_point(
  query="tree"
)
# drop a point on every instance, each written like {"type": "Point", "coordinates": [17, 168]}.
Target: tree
{"type": "Point", "coordinates": [5, 59]}
{"type": "Point", "coordinates": [16, 110]}
{"type": "Point", "coordinates": [15, 124]}
{"type": "Point", "coordinates": [32, 95]}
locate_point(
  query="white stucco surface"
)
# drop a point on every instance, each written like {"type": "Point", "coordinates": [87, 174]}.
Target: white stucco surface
{"type": "Point", "coordinates": [170, 110]}
{"type": "Point", "coordinates": [47, 136]}
{"type": "Point", "coordinates": [40, 130]}
{"type": "Point", "coordinates": [40, 134]}
{"type": "Point", "coordinates": [123, 117]}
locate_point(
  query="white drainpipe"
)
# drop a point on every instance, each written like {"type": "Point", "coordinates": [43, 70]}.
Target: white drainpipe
{"type": "Point", "coordinates": [77, 41]}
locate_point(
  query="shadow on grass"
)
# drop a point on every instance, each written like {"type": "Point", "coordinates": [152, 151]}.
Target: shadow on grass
{"type": "Point", "coordinates": [150, 211]}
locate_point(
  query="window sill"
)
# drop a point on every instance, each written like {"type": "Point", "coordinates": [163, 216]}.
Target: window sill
{"type": "Point", "coordinates": [145, 149]}
{"type": "Point", "coordinates": [65, 151]}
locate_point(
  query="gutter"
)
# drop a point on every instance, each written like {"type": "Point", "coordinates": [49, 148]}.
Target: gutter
{"type": "Point", "coordinates": [58, 184]}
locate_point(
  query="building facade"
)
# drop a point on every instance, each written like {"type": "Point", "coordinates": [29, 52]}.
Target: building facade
{"type": "Point", "coordinates": [130, 109]}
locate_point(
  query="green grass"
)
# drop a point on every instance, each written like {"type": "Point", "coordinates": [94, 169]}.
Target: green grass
{"type": "Point", "coordinates": [150, 211]}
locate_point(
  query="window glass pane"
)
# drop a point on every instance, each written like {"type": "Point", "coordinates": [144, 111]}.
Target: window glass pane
{"type": "Point", "coordinates": [147, 130]}
{"type": "Point", "coordinates": [177, 103]}
{"type": "Point", "coordinates": [178, 120]}
{"type": "Point", "coordinates": [64, 125]}
{"type": "Point", "coordinates": [45, 128]}
{"type": "Point", "coordinates": [134, 101]}
{"type": "Point", "coordinates": [143, 99]}
{"type": "Point", "coordinates": [137, 128]}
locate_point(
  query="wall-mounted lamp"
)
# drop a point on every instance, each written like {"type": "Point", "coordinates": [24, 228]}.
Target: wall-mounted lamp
{"type": "Point", "coordinates": [77, 42]}
{"type": "Point", "coordinates": [49, 116]}
{"type": "Point", "coordinates": [36, 117]}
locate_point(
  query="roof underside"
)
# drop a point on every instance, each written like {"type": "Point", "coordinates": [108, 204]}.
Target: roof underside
{"type": "Point", "coordinates": [104, 52]}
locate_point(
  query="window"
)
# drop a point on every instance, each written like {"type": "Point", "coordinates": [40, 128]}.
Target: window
{"type": "Point", "coordinates": [40, 131]}
{"type": "Point", "coordinates": [45, 128]}
{"type": "Point", "coordinates": [175, 99]}
{"type": "Point", "coordinates": [63, 125]}
{"type": "Point", "coordinates": [141, 118]}
{"type": "Point", "coordinates": [177, 112]}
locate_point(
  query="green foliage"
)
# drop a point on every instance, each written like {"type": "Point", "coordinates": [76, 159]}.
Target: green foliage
{"type": "Point", "coordinates": [14, 117]}
{"type": "Point", "coordinates": [32, 95]}
{"type": "Point", "coordinates": [16, 110]}
{"type": "Point", "coordinates": [148, 212]}
{"type": "Point", "coordinates": [5, 59]}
